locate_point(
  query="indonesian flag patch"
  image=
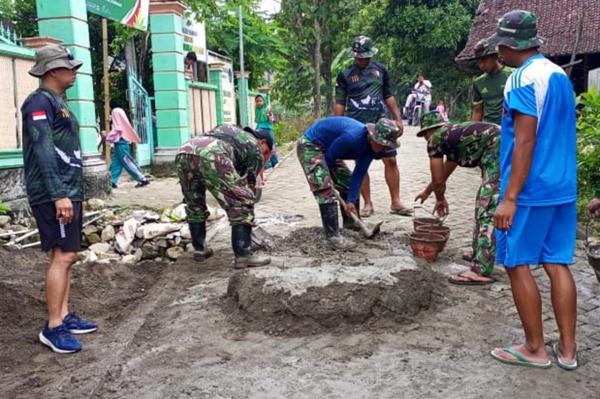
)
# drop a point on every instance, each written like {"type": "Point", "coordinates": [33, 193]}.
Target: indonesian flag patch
{"type": "Point", "coordinates": [39, 115]}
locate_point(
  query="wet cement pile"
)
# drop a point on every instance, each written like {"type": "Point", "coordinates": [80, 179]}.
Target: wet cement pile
{"type": "Point", "coordinates": [319, 289]}
{"type": "Point", "coordinates": [310, 241]}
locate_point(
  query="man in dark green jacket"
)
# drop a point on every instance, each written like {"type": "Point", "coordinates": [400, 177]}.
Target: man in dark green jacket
{"type": "Point", "coordinates": [54, 179]}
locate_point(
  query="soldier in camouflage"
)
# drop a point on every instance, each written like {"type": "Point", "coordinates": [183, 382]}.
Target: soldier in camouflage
{"type": "Point", "coordinates": [321, 152]}
{"type": "Point", "coordinates": [469, 144]}
{"type": "Point", "coordinates": [226, 161]}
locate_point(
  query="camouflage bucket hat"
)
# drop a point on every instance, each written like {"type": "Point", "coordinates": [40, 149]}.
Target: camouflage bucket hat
{"type": "Point", "coordinates": [384, 132]}
{"type": "Point", "coordinates": [264, 134]}
{"type": "Point", "coordinates": [362, 47]}
{"type": "Point", "coordinates": [430, 120]}
{"type": "Point", "coordinates": [484, 48]}
{"type": "Point", "coordinates": [517, 29]}
{"type": "Point", "coordinates": [52, 57]}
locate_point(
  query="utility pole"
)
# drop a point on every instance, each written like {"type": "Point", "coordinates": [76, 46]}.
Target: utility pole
{"type": "Point", "coordinates": [243, 92]}
{"type": "Point", "coordinates": [106, 87]}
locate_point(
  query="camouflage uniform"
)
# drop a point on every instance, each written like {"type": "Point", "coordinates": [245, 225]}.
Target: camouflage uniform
{"type": "Point", "coordinates": [470, 145]}
{"type": "Point", "coordinates": [320, 178]}
{"type": "Point", "coordinates": [226, 161]}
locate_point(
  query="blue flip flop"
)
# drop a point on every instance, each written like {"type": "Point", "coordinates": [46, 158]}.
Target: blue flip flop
{"type": "Point", "coordinates": [519, 360]}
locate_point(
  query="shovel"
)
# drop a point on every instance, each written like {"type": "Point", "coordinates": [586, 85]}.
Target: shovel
{"type": "Point", "coordinates": [261, 239]}
{"type": "Point", "coordinates": [368, 232]}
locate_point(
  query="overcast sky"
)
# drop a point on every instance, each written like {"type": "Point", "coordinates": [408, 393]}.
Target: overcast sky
{"type": "Point", "coordinates": [270, 6]}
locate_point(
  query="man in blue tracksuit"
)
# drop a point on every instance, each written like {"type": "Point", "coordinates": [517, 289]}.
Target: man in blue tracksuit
{"type": "Point", "coordinates": [321, 152]}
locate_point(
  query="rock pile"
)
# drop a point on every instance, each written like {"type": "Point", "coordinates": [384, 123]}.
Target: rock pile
{"type": "Point", "coordinates": [134, 235]}
{"type": "Point", "coordinates": [119, 235]}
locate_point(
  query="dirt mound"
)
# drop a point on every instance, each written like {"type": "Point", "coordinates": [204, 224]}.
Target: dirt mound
{"type": "Point", "coordinates": [102, 293]}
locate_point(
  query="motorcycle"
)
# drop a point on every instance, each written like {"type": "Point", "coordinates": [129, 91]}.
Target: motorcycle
{"type": "Point", "coordinates": [416, 108]}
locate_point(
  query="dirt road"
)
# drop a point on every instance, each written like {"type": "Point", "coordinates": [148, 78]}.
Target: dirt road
{"type": "Point", "coordinates": [166, 330]}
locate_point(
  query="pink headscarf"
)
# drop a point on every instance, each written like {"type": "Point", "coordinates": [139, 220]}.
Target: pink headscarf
{"type": "Point", "coordinates": [121, 127]}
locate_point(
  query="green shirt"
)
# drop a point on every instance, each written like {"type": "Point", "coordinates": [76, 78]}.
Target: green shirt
{"type": "Point", "coordinates": [489, 92]}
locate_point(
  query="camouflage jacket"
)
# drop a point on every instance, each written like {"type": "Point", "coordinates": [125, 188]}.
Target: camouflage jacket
{"type": "Point", "coordinates": [463, 143]}
{"type": "Point", "coordinates": [51, 149]}
{"type": "Point", "coordinates": [239, 146]}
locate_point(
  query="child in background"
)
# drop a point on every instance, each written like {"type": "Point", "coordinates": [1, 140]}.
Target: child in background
{"type": "Point", "coordinates": [263, 117]}
{"type": "Point", "coordinates": [441, 108]}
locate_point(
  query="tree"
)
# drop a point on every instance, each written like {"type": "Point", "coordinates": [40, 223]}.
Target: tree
{"type": "Point", "coordinates": [264, 49]}
{"type": "Point", "coordinates": [422, 36]}
{"type": "Point", "coordinates": [21, 14]}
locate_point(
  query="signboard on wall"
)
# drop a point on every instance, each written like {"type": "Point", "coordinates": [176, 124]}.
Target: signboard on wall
{"type": "Point", "coordinates": [194, 37]}
{"type": "Point", "coordinates": [133, 13]}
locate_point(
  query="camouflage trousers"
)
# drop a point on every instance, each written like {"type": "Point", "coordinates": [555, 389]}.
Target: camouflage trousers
{"type": "Point", "coordinates": [320, 178]}
{"type": "Point", "coordinates": [213, 171]}
{"type": "Point", "coordinates": [484, 238]}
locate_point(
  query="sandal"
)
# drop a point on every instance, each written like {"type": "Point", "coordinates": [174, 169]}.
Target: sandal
{"type": "Point", "coordinates": [518, 359]}
{"type": "Point", "coordinates": [366, 212]}
{"type": "Point", "coordinates": [469, 280]}
{"type": "Point", "coordinates": [560, 363]}
{"type": "Point", "coordinates": [402, 211]}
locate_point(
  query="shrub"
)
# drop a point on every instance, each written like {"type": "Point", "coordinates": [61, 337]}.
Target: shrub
{"type": "Point", "coordinates": [588, 146]}
{"type": "Point", "coordinates": [288, 130]}
{"type": "Point", "coordinates": [4, 209]}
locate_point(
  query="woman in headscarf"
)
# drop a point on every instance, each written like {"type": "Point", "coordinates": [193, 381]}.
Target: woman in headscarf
{"type": "Point", "coordinates": [120, 136]}
{"type": "Point", "coordinates": [263, 117]}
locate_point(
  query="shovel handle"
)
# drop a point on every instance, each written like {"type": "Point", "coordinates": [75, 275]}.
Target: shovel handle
{"type": "Point", "coordinates": [352, 215]}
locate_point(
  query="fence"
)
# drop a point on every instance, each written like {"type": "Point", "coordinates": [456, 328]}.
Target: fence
{"type": "Point", "coordinates": [15, 85]}
{"type": "Point", "coordinates": [202, 101]}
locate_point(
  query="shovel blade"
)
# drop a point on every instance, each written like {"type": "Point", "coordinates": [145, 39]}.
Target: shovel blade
{"type": "Point", "coordinates": [370, 232]}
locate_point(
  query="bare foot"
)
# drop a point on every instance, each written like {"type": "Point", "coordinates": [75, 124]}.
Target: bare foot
{"type": "Point", "coordinates": [470, 278]}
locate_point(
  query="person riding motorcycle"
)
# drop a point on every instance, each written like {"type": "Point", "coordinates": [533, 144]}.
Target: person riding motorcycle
{"type": "Point", "coordinates": [422, 92]}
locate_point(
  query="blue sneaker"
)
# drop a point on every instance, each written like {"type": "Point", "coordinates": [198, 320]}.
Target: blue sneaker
{"type": "Point", "coordinates": [76, 325]}
{"type": "Point", "coordinates": [59, 339]}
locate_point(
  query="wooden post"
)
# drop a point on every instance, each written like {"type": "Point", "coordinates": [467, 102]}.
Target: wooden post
{"type": "Point", "coordinates": [106, 87]}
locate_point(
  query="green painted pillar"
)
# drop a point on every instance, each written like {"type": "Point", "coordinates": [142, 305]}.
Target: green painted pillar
{"type": "Point", "coordinates": [67, 20]}
{"type": "Point", "coordinates": [170, 88]}
{"type": "Point", "coordinates": [243, 100]}
{"type": "Point", "coordinates": [215, 78]}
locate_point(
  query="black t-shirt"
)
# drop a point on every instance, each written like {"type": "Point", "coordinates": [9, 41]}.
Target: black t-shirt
{"type": "Point", "coordinates": [363, 91]}
{"type": "Point", "coordinates": [51, 149]}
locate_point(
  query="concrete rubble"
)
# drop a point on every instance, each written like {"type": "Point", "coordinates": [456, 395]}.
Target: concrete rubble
{"type": "Point", "coordinates": [118, 235]}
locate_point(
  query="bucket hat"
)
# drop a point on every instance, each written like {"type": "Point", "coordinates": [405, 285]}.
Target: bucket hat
{"type": "Point", "coordinates": [484, 48]}
{"type": "Point", "coordinates": [384, 132]}
{"type": "Point", "coordinates": [517, 29]}
{"type": "Point", "coordinates": [362, 47]}
{"type": "Point", "coordinates": [264, 134]}
{"type": "Point", "coordinates": [430, 120]}
{"type": "Point", "coordinates": [52, 57]}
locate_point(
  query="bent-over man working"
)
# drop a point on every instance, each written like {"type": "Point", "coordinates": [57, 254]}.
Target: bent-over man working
{"type": "Point", "coordinates": [321, 152]}
{"type": "Point", "coordinates": [470, 145]}
{"type": "Point", "coordinates": [227, 162]}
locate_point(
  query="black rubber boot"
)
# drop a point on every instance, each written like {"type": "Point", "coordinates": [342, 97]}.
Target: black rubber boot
{"type": "Point", "coordinates": [241, 239]}
{"type": "Point", "coordinates": [201, 250]}
{"type": "Point", "coordinates": [329, 217]}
